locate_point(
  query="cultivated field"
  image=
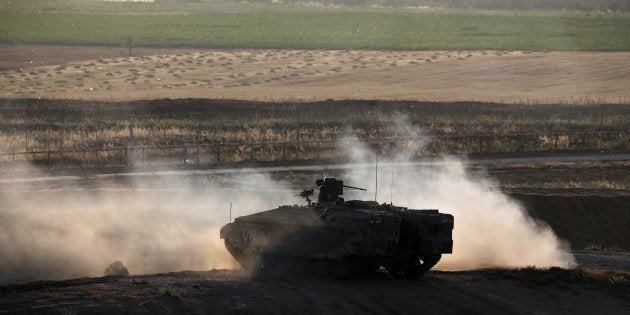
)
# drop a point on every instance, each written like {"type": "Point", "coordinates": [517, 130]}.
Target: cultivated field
{"type": "Point", "coordinates": [106, 74]}
{"type": "Point", "coordinates": [237, 26]}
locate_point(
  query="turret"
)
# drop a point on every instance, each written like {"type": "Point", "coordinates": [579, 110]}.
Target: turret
{"type": "Point", "coordinates": [330, 189]}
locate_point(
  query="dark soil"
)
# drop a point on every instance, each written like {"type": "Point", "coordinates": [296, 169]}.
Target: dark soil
{"type": "Point", "coordinates": [583, 220]}
{"type": "Point", "coordinates": [27, 56]}
{"type": "Point", "coordinates": [233, 291]}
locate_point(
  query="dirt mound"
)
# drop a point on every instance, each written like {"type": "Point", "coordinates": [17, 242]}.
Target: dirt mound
{"type": "Point", "coordinates": [583, 220]}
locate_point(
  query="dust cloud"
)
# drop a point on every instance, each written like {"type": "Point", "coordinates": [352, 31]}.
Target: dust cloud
{"type": "Point", "coordinates": [160, 222]}
{"type": "Point", "coordinates": [149, 223]}
{"type": "Point", "coordinates": [491, 229]}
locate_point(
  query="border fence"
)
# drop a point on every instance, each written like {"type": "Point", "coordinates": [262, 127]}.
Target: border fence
{"type": "Point", "coordinates": [207, 154]}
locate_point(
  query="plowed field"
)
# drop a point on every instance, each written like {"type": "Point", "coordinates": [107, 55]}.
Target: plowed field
{"type": "Point", "coordinates": [109, 73]}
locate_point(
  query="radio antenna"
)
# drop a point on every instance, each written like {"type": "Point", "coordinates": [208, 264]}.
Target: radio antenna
{"type": "Point", "coordinates": [376, 177]}
{"type": "Point", "coordinates": [391, 186]}
{"type": "Point", "coordinates": [376, 166]}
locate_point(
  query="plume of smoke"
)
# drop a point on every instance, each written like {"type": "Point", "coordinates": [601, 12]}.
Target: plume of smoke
{"type": "Point", "coordinates": [491, 229]}
{"type": "Point", "coordinates": [153, 224]}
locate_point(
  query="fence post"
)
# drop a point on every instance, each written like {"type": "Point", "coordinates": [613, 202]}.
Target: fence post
{"type": "Point", "coordinates": [318, 155]}
{"type": "Point", "coordinates": [283, 152]}
{"type": "Point", "coordinates": [251, 151]}
{"type": "Point", "coordinates": [197, 158]}
{"type": "Point", "coordinates": [218, 152]}
{"type": "Point", "coordinates": [26, 148]}
{"type": "Point", "coordinates": [480, 144]}
{"type": "Point", "coordinates": [468, 132]}
{"type": "Point", "coordinates": [435, 143]}
{"type": "Point", "coordinates": [131, 127]}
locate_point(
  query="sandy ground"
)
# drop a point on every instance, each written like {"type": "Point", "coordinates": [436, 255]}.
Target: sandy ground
{"type": "Point", "coordinates": [108, 73]}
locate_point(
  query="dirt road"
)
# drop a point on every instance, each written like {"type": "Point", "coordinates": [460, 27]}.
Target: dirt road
{"type": "Point", "coordinates": [106, 73]}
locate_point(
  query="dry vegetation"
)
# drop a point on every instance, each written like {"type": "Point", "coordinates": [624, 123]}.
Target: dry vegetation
{"type": "Point", "coordinates": [294, 97]}
{"type": "Point", "coordinates": [197, 126]}
{"type": "Point", "coordinates": [288, 86]}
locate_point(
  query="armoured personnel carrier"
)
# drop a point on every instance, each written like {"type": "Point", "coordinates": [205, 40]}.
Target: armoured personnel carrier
{"type": "Point", "coordinates": [340, 238]}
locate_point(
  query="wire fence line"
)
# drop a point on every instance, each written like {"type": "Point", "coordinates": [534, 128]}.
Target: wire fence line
{"type": "Point", "coordinates": [205, 154]}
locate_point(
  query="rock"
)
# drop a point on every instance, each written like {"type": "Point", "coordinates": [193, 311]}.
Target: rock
{"type": "Point", "coordinates": [116, 269]}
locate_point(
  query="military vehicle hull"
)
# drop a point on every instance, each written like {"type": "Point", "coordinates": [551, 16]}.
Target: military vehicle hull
{"type": "Point", "coordinates": [341, 238]}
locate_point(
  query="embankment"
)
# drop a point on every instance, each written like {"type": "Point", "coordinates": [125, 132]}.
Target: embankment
{"type": "Point", "coordinates": [583, 220]}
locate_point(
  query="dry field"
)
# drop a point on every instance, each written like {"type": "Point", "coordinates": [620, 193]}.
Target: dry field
{"type": "Point", "coordinates": [108, 73]}
{"type": "Point", "coordinates": [105, 73]}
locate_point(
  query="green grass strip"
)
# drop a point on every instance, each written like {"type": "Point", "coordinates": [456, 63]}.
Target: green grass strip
{"type": "Point", "coordinates": [286, 27]}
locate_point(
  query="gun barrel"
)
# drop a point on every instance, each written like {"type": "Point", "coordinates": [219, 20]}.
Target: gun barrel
{"type": "Point", "coordinates": [355, 187]}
